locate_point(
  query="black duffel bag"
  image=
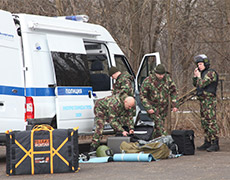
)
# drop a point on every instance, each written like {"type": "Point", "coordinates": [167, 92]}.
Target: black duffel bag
{"type": "Point", "coordinates": [42, 150]}
{"type": "Point", "coordinates": [185, 141]}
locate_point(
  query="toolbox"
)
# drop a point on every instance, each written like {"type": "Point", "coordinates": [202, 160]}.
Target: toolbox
{"type": "Point", "coordinates": [42, 150]}
{"type": "Point", "coordinates": [114, 143]}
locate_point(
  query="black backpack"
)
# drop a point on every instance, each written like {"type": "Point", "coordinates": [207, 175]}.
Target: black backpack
{"type": "Point", "coordinates": [185, 141]}
{"type": "Point", "coordinates": [142, 132]}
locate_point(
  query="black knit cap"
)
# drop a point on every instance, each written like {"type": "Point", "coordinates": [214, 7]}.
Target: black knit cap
{"type": "Point", "coordinates": [160, 69]}
{"type": "Point", "coordinates": [112, 70]}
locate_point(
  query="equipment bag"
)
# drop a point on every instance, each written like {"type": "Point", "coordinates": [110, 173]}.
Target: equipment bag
{"type": "Point", "coordinates": [42, 150]}
{"type": "Point", "coordinates": [157, 149]}
{"type": "Point", "coordinates": [142, 133]}
{"type": "Point", "coordinates": [185, 141]}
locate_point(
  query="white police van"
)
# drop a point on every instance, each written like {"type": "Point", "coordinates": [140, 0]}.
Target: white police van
{"type": "Point", "coordinates": [52, 70]}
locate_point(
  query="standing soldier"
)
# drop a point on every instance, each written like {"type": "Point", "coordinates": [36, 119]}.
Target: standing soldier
{"type": "Point", "coordinates": [110, 109]}
{"type": "Point", "coordinates": [206, 81]}
{"type": "Point", "coordinates": [154, 93]}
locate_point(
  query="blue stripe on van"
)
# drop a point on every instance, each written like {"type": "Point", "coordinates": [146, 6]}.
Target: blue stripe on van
{"type": "Point", "coordinates": [74, 90]}
{"type": "Point", "coordinates": [40, 92]}
{"type": "Point", "coordinates": [13, 91]}
{"type": "Point", "coordinates": [17, 91]}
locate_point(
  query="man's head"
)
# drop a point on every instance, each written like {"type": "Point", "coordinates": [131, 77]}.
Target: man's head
{"type": "Point", "coordinates": [114, 72]}
{"type": "Point", "coordinates": [160, 71]}
{"type": "Point", "coordinates": [202, 62]}
{"type": "Point", "coordinates": [129, 102]}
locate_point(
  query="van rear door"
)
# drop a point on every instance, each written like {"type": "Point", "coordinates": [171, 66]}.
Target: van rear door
{"type": "Point", "coordinates": [74, 100]}
{"type": "Point", "coordinates": [12, 100]}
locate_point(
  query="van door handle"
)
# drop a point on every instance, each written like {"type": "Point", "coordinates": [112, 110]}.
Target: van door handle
{"type": "Point", "coordinates": [14, 90]}
{"type": "Point", "coordinates": [1, 104]}
{"type": "Point", "coordinates": [52, 85]}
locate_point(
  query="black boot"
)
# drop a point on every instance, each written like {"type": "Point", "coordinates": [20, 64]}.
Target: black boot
{"type": "Point", "coordinates": [214, 146]}
{"type": "Point", "coordinates": [204, 146]}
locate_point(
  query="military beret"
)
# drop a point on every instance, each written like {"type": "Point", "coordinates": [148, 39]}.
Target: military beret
{"type": "Point", "coordinates": [160, 69]}
{"type": "Point", "coordinates": [112, 70]}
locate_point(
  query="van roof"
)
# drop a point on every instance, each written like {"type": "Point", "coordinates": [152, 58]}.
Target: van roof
{"type": "Point", "coordinates": [36, 23]}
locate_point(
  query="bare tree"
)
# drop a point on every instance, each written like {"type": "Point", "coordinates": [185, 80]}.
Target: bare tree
{"type": "Point", "coordinates": [179, 30]}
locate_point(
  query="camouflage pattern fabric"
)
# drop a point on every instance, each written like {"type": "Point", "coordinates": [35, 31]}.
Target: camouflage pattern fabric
{"type": "Point", "coordinates": [154, 95]}
{"type": "Point", "coordinates": [208, 103]}
{"type": "Point", "coordinates": [111, 110]}
{"type": "Point", "coordinates": [210, 77]}
{"type": "Point", "coordinates": [123, 87]}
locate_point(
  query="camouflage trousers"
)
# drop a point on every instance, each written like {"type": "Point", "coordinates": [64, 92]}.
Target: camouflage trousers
{"type": "Point", "coordinates": [101, 118]}
{"type": "Point", "coordinates": [98, 132]}
{"type": "Point", "coordinates": [208, 118]}
{"type": "Point", "coordinates": [158, 117]}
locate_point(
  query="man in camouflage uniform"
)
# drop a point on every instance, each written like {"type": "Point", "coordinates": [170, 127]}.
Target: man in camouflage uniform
{"type": "Point", "coordinates": [110, 109]}
{"type": "Point", "coordinates": [206, 81]}
{"type": "Point", "coordinates": [123, 86]}
{"type": "Point", "coordinates": [154, 93]}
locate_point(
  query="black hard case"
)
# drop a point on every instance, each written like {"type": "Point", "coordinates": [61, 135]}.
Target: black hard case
{"type": "Point", "coordinates": [114, 143]}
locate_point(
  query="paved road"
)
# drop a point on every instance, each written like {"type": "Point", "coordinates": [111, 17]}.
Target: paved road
{"type": "Point", "coordinates": [201, 166]}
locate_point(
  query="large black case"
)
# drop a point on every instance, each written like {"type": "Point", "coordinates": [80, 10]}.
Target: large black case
{"type": "Point", "coordinates": [42, 150]}
{"type": "Point", "coordinates": [185, 141]}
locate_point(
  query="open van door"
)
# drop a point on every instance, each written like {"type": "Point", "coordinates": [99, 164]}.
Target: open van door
{"type": "Point", "coordinates": [74, 99]}
{"type": "Point", "coordinates": [148, 63]}
{"type": "Point", "coordinates": [12, 100]}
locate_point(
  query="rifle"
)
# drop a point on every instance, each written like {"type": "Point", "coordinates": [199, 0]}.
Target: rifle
{"type": "Point", "coordinates": [189, 95]}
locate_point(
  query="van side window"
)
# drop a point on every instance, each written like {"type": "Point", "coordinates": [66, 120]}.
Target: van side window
{"type": "Point", "coordinates": [123, 65]}
{"type": "Point", "coordinates": [71, 69]}
{"type": "Point", "coordinates": [99, 77]}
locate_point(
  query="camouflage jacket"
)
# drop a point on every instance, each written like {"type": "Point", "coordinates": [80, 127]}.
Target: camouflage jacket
{"type": "Point", "coordinates": [123, 86]}
{"type": "Point", "coordinates": [154, 92]}
{"type": "Point", "coordinates": [114, 108]}
{"type": "Point", "coordinates": [206, 83]}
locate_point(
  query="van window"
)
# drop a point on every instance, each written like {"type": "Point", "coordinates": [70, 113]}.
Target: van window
{"type": "Point", "coordinates": [148, 65]}
{"type": "Point", "coordinates": [71, 69]}
{"type": "Point", "coordinates": [123, 65]}
{"type": "Point", "coordinates": [99, 75]}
